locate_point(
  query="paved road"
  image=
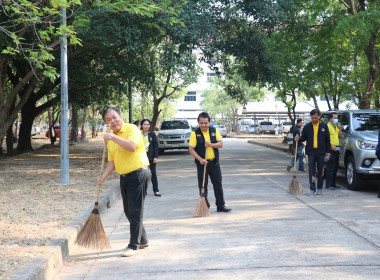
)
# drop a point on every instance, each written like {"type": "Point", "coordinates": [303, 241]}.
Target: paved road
{"type": "Point", "coordinates": [268, 235]}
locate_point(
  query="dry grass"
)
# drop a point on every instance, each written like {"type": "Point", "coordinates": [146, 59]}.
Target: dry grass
{"type": "Point", "coordinates": [34, 208]}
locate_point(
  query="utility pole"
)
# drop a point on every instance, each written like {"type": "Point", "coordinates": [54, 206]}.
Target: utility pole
{"type": "Point", "coordinates": [64, 107]}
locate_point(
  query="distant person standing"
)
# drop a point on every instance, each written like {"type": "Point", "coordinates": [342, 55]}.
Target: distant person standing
{"type": "Point", "coordinates": [300, 149]}
{"type": "Point", "coordinates": [378, 157]}
{"type": "Point", "coordinates": [206, 137]}
{"type": "Point", "coordinates": [137, 123]}
{"type": "Point", "coordinates": [318, 146]}
{"type": "Point", "coordinates": [151, 147]}
{"type": "Point", "coordinates": [335, 130]}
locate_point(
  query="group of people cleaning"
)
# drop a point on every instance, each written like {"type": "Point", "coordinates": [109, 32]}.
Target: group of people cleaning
{"type": "Point", "coordinates": [133, 153]}
{"type": "Point", "coordinates": [322, 148]}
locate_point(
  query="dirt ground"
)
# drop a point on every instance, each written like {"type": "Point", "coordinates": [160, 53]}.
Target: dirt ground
{"type": "Point", "coordinates": [34, 208]}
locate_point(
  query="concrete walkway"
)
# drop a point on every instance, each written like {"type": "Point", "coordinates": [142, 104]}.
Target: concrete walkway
{"type": "Point", "coordinates": [269, 234]}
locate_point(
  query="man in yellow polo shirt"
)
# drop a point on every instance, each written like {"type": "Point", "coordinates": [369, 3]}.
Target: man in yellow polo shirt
{"type": "Point", "coordinates": [126, 155]}
{"type": "Point", "coordinates": [206, 137]}
{"type": "Point", "coordinates": [335, 130]}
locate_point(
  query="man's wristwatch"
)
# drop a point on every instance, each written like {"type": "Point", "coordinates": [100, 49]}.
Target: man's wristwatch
{"type": "Point", "coordinates": [111, 136]}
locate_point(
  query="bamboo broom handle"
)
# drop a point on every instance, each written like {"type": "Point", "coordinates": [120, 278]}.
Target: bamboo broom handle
{"type": "Point", "coordinates": [102, 166]}
{"type": "Point", "coordinates": [204, 175]}
{"type": "Point", "coordinates": [295, 159]}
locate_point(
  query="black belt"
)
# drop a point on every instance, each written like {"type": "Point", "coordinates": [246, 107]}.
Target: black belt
{"type": "Point", "coordinates": [130, 173]}
{"type": "Point", "coordinates": [212, 160]}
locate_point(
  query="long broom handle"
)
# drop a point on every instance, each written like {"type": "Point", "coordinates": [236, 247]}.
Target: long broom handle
{"type": "Point", "coordinates": [204, 175]}
{"type": "Point", "coordinates": [102, 166]}
{"type": "Point", "coordinates": [295, 159]}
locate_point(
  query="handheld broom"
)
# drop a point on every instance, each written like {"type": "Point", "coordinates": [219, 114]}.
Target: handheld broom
{"type": "Point", "coordinates": [202, 210]}
{"type": "Point", "coordinates": [92, 235]}
{"type": "Point", "coordinates": [295, 187]}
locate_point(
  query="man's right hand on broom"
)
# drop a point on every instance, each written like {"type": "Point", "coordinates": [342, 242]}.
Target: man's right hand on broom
{"type": "Point", "coordinates": [203, 161]}
{"type": "Point", "coordinates": [296, 138]}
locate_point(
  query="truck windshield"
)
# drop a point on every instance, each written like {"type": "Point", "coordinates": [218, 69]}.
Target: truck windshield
{"type": "Point", "coordinates": [365, 121]}
{"type": "Point", "coordinates": [177, 124]}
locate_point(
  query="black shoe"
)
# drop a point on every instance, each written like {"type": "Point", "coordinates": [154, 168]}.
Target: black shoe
{"type": "Point", "coordinates": [223, 209]}
{"type": "Point", "coordinates": [157, 194]}
{"type": "Point", "coordinates": [378, 195]}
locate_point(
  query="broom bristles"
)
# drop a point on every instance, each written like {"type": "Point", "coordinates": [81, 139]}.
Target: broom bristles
{"type": "Point", "coordinates": [92, 235]}
{"type": "Point", "coordinates": [295, 187]}
{"type": "Point", "coordinates": [201, 210]}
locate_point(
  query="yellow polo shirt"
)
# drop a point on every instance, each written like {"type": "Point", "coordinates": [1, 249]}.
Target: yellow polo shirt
{"type": "Point", "coordinates": [315, 128]}
{"type": "Point", "coordinates": [206, 135]}
{"type": "Point", "coordinates": [125, 161]}
{"type": "Point", "coordinates": [334, 134]}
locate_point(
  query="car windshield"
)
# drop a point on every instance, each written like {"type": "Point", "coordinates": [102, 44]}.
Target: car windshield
{"type": "Point", "coordinates": [177, 124]}
{"type": "Point", "coordinates": [266, 123]}
{"type": "Point", "coordinates": [365, 121]}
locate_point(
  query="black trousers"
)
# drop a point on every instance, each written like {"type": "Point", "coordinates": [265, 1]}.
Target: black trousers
{"type": "Point", "coordinates": [332, 169]}
{"type": "Point", "coordinates": [133, 188]}
{"type": "Point", "coordinates": [152, 167]}
{"type": "Point", "coordinates": [212, 170]}
{"type": "Point", "coordinates": [316, 162]}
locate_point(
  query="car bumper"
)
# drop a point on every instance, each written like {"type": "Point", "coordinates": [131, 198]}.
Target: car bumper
{"type": "Point", "coordinates": [173, 144]}
{"type": "Point", "coordinates": [361, 156]}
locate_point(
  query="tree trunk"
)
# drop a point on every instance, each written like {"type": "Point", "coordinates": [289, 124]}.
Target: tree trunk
{"type": "Point", "coordinates": [84, 121]}
{"type": "Point", "coordinates": [156, 113]}
{"type": "Point", "coordinates": [74, 124]}
{"type": "Point", "coordinates": [25, 137]}
{"type": "Point", "coordinates": [312, 95]}
{"type": "Point", "coordinates": [326, 95]}
{"type": "Point", "coordinates": [10, 141]}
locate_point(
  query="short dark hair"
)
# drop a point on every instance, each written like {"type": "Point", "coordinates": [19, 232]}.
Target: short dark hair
{"type": "Point", "coordinates": [299, 120]}
{"type": "Point", "coordinates": [204, 115]}
{"type": "Point", "coordinates": [137, 123]}
{"type": "Point", "coordinates": [331, 115]}
{"type": "Point", "coordinates": [315, 111]}
{"type": "Point", "coordinates": [145, 120]}
{"type": "Point", "coordinates": [111, 109]}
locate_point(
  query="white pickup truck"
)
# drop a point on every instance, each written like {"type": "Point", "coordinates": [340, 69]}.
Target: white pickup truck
{"type": "Point", "coordinates": [267, 128]}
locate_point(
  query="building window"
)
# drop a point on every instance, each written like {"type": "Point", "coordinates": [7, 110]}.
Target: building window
{"type": "Point", "coordinates": [191, 96]}
{"type": "Point", "coordinates": [210, 76]}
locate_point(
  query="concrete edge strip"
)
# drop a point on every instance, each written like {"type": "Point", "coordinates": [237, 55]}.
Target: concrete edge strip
{"type": "Point", "coordinates": [286, 150]}
{"type": "Point", "coordinates": [49, 264]}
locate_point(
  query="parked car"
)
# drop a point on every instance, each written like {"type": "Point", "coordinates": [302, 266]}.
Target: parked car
{"type": "Point", "coordinates": [57, 129]}
{"type": "Point", "coordinates": [173, 134]}
{"type": "Point", "coordinates": [267, 127]}
{"type": "Point", "coordinates": [222, 130]}
{"type": "Point", "coordinates": [252, 129]}
{"type": "Point", "coordinates": [285, 127]}
{"type": "Point", "coordinates": [360, 130]}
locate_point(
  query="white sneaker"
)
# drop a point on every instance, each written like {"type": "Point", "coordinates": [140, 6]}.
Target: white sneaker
{"type": "Point", "coordinates": [129, 252]}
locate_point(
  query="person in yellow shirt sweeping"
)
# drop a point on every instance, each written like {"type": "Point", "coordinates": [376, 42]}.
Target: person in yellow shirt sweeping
{"type": "Point", "coordinates": [206, 137]}
{"type": "Point", "coordinates": [127, 155]}
{"type": "Point", "coordinates": [335, 130]}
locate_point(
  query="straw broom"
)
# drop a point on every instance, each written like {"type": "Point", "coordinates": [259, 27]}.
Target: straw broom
{"type": "Point", "coordinates": [92, 235]}
{"type": "Point", "coordinates": [295, 187]}
{"type": "Point", "coordinates": [202, 210]}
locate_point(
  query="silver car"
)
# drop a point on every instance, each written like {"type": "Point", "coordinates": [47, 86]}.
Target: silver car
{"type": "Point", "coordinates": [174, 134]}
{"type": "Point", "coordinates": [360, 130]}
{"type": "Point", "coordinates": [222, 130]}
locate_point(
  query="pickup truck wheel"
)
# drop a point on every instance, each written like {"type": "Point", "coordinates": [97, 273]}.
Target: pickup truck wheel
{"type": "Point", "coordinates": [161, 151]}
{"type": "Point", "coordinates": [353, 179]}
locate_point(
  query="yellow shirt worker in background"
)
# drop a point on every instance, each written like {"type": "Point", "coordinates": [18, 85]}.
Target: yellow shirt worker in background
{"type": "Point", "coordinates": [126, 155]}
{"type": "Point", "coordinates": [206, 138]}
{"type": "Point", "coordinates": [335, 130]}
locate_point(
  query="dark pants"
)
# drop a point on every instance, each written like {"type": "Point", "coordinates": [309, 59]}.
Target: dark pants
{"type": "Point", "coordinates": [332, 169]}
{"type": "Point", "coordinates": [133, 188]}
{"type": "Point", "coordinates": [316, 162]}
{"type": "Point", "coordinates": [152, 167]}
{"type": "Point", "coordinates": [212, 170]}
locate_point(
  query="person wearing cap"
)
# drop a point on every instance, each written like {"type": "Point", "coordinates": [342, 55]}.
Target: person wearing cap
{"type": "Point", "coordinates": [127, 155]}
{"type": "Point", "coordinates": [202, 138]}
